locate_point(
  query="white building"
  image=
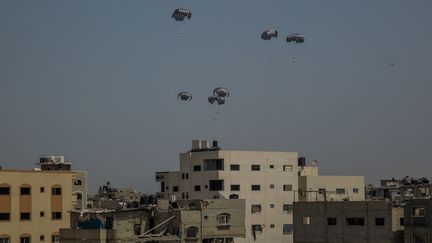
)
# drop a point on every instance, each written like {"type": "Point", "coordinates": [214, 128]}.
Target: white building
{"type": "Point", "coordinates": [267, 180]}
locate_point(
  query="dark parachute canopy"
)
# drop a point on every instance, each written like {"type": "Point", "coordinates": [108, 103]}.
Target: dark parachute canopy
{"type": "Point", "coordinates": [298, 38]}
{"type": "Point", "coordinates": [268, 34]}
{"type": "Point", "coordinates": [180, 13]}
{"type": "Point", "coordinates": [219, 100]}
{"type": "Point", "coordinates": [185, 96]}
{"type": "Point", "coordinates": [221, 92]}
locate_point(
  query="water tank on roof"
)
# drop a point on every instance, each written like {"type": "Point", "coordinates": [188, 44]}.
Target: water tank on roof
{"type": "Point", "coordinates": [301, 161]}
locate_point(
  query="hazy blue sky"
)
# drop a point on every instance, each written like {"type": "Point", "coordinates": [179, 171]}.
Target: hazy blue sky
{"type": "Point", "coordinates": [97, 81]}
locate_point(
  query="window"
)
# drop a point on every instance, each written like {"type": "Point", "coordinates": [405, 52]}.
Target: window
{"type": "Point", "coordinates": [183, 176]}
{"type": "Point", "coordinates": [4, 216]}
{"type": "Point", "coordinates": [321, 190]}
{"type": "Point", "coordinates": [78, 183]}
{"type": "Point", "coordinates": [272, 226]}
{"type": "Point", "coordinates": [255, 167]}
{"type": "Point", "coordinates": [42, 214]}
{"type": "Point", "coordinates": [4, 239]}
{"type": "Point", "coordinates": [224, 219]}
{"type": "Point", "coordinates": [25, 190]}
{"type": "Point", "coordinates": [355, 221]}
{"type": "Point", "coordinates": [272, 167]}
{"type": "Point", "coordinates": [175, 188]}
{"type": "Point", "coordinates": [42, 189]}
{"type": "Point", "coordinates": [187, 195]}
{"type": "Point", "coordinates": [306, 220]}
{"type": "Point", "coordinates": [191, 232]}
{"type": "Point", "coordinates": [197, 168]}
{"type": "Point", "coordinates": [56, 191]}
{"type": "Point", "coordinates": [418, 211]}
{"type": "Point", "coordinates": [256, 208]}
{"type": "Point", "coordinates": [355, 190]}
{"type": "Point", "coordinates": [287, 187]}
{"type": "Point", "coordinates": [25, 239]}
{"type": "Point", "coordinates": [25, 216]}
{"type": "Point", "coordinates": [197, 188]}
{"type": "Point", "coordinates": [42, 238]}
{"type": "Point", "coordinates": [340, 190]}
{"type": "Point", "coordinates": [287, 208]}
{"type": "Point", "coordinates": [183, 195]}
{"type": "Point", "coordinates": [56, 215]}
{"type": "Point", "coordinates": [256, 227]}
{"type": "Point", "coordinates": [272, 186]}
{"type": "Point", "coordinates": [287, 168]}
{"type": "Point", "coordinates": [79, 196]}
{"type": "Point", "coordinates": [4, 191]}
{"type": "Point", "coordinates": [55, 238]}
{"type": "Point", "coordinates": [213, 164]}
{"type": "Point", "coordinates": [379, 221]}
{"type": "Point", "coordinates": [234, 167]}
{"type": "Point", "coordinates": [256, 187]}
{"type": "Point", "coordinates": [216, 185]}
{"type": "Point", "coordinates": [331, 221]}
{"type": "Point", "coordinates": [287, 229]}
{"type": "Point", "coordinates": [235, 187]}
{"type": "Point", "coordinates": [401, 222]}
{"type": "Point", "coordinates": [272, 205]}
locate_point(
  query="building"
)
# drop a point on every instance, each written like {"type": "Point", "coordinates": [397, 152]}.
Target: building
{"type": "Point", "coordinates": [418, 221]}
{"type": "Point", "coordinates": [210, 221]}
{"type": "Point", "coordinates": [109, 197]}
{"type": "Point", "coordinates": [348, 222]}
{"type": "Point", "coordinates": [266, 179]}
{"type": "Point", "coordinates": [34, 204]}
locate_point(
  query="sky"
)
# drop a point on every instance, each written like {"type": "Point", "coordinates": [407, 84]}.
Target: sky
{"type": "Point", "coordinates": [97, 82]}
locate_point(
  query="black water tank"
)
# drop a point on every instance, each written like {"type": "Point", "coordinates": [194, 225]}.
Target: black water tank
{"type": "Point", "coordinates": [215, 144]}
{"type": "Point", "coordinates": [301, 161]}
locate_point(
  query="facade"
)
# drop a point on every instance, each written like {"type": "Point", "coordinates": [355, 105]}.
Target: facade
{"type": "Point", "coordinates": [418, 221]}
{"type": "Point", "coordinates": [267, 180]}
{"type": "Point", "coordinates": [348, 222]}
{"type": "Point", "coordinates": [331, 188]}
{"type": "Point", "coordinates": [210, 221]}
{"type": "Point", "coordinates": [34, 204]}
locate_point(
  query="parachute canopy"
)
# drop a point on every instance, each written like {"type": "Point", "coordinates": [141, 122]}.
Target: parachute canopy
{"type": "Point", "coordinates": [298, 38]}
{"type": "Point", "coordinates": [185, 96]}
{"type": "Point", "coordinates": [219, 100]}
{"type": "Point", "coordinates": [268, 34]}
{"type": "Point", "coordinates": [221, 92]}
{"type": "Point", "coordinates": [180, 13]}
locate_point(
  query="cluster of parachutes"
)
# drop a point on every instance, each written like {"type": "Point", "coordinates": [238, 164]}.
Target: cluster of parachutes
{"type": "Point", "coordinates": [218, 97]}
{"type": "Point", "coordinates": [272, 33]}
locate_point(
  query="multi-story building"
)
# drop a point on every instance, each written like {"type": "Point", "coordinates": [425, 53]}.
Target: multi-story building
{"type": "Point", "coordinates": [266, 179]}
{"type": "Point", "coordinates": [349, 222]}
{"type": "Point", "coordinates": [418, 221]}
{"type": "Point", "coordinates": [208, 221]}
{"type": "Point", "coordinates": [34, 203]}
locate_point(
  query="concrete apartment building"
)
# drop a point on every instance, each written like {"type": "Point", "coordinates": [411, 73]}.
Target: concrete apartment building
{"type": "Point", "coordinates": [208, 221]}
{"type": "Point", "coordinates": [34, 204]}
{"type": "Point", "coordinates": [418, 221]}
{"type": "Point", "coordinates": [267, 180]}
{"type": "Point", "coordinates": [348, 222]}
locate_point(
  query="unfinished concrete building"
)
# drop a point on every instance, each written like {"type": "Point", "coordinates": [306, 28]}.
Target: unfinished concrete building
{"type": "Point", "coordinates": [348, 222]}
{"type": "Point", "coordinates": [418, 221]}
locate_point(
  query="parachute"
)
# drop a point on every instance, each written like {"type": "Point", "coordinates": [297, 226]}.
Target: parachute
{"type": "Point", "coordinates": [221, 92]}
{"type": "Point", "coordinates": [298, 38]}
{"type": "Point", "coordinates": [180, 13]}
{"type": "Point", "coordinates": [219, 100]}
{"type": "Point", "coordinates": [268, 34]}
{"type": "Point", "coordinates": [185, 96]}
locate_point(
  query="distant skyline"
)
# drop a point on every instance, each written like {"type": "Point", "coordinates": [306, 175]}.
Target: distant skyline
{"type": "Point", "coordinates": [97, 82]}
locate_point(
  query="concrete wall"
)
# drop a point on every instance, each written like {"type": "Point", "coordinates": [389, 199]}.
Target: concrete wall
{"type": "Point", "coordinates": [418, 227]}
{"type": "Point", "coordinates": [311, 222]}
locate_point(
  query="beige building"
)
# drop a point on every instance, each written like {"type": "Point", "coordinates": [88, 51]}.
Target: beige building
{"type": "Point", "coordinates": [267, 180]}
{"type": "Point", "coordinates": [34, 204]}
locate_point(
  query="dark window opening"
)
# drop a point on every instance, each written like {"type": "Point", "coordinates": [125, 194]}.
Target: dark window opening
{"type": "Point", "coordinates": [192, 232]}
{"type": "Point", "coordinates": [401, 221]}
{"type": "Point", "coordinates": [197, 188]}
{"type": "Point", "coordinates": [213, 164]}
{"type": "Point", "coordinates": [355, 221]}
{"type": "Point", "coordinates": [216, 185]}
{"type": "Point", "coordinates": [235, 167]}
{"type": "Point", "coordinates": [197, 168]}
{"type": "Point", "coordinates": [256, 187]}
{"type": "Point", "coordinates": [288, 208]}
{"type": "Point", "coordinates": [56, 215]}
{"type": "Point", "coordinates": [256, 208]}
{"type": "Point", "coordinates": [25, 216]}
{"type": "Point", "coordinates": [331, 221]}
{"type": "Point", "coordinates": [25, 190]}
{"type": "Point", "coordinates": [175, 189]}
{"type": "Point", "coordinates": [379, 221]}
{"type": "Point", "coordinates": [4, 216]}
{"type": "Point", "coordinates": [235, 187]}
{"type": "Point", "coordinates": [4, 191]}
{"type": "Point", "coordinates": [56, 191]}
{"type": "Point", "coordinates": [255, 167]}
{"type": "Point", "coordinates": [25, 240]}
